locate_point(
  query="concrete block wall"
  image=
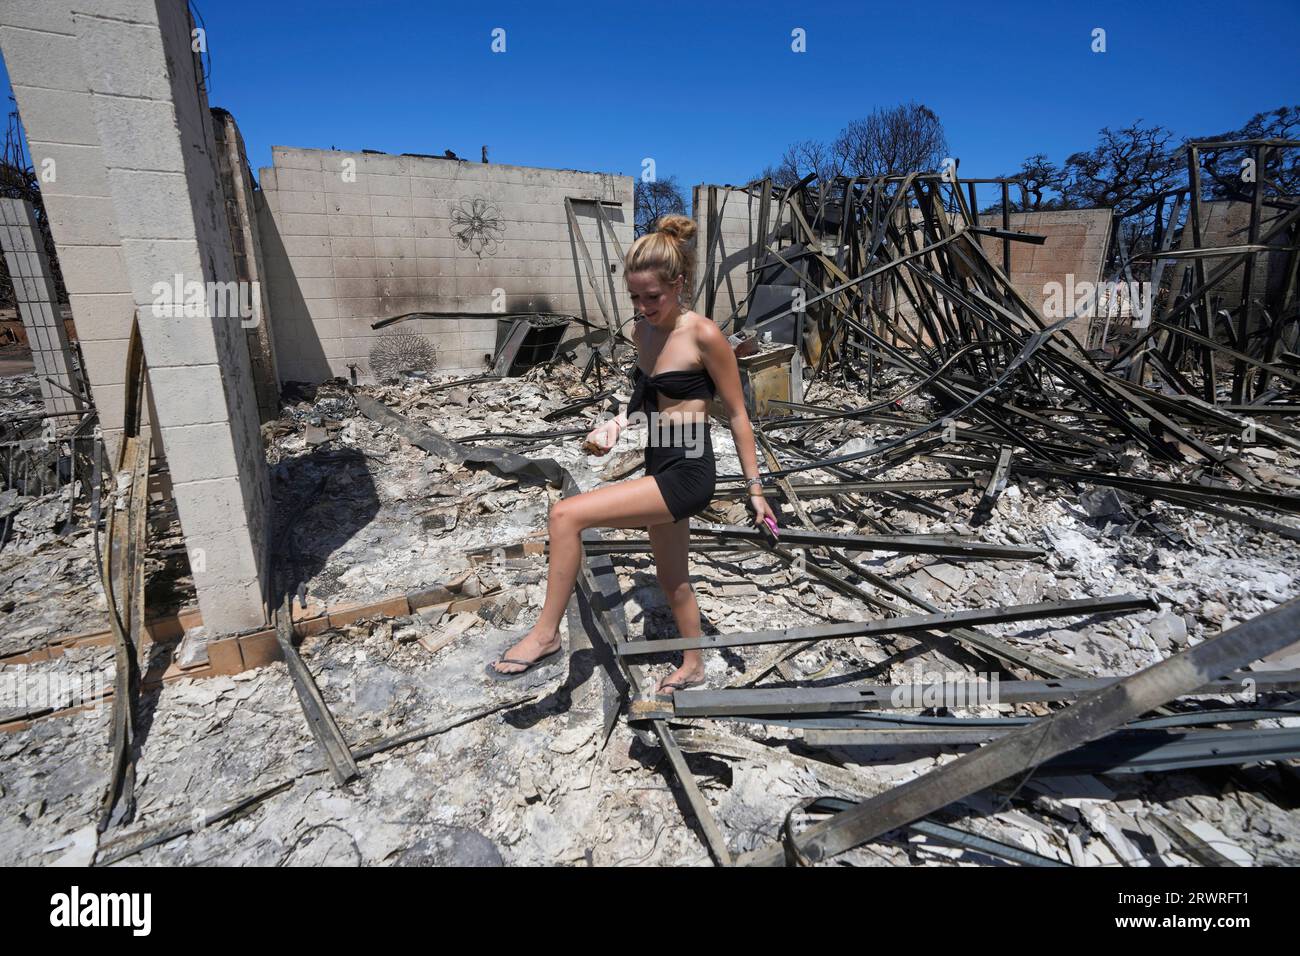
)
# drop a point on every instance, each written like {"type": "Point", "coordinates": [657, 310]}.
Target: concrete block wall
{"type": "Point", "coordinates": [351, 238]}
{"type": "Point", "coordinates": [38, 306]}
{"type": "Point", "coordinates": [1077, 243]}
{"type": "Point", "coordinates": [39, 43]}
{"type": "Point", "coordinates": [738, 232]}
{"type": "Point", "coordinates": [250, 268]}
{"type": "Point", "coordinates": [157, 147]}
{"type": "Point", "coordinates": [1227, 223]}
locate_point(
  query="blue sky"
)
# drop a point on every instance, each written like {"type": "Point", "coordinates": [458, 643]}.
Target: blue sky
{"type": "Point", "coordinates": [713, 91]}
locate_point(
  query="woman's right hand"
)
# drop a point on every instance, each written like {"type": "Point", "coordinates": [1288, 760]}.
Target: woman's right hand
{"type": "Point", "coordinates": [601, 439]}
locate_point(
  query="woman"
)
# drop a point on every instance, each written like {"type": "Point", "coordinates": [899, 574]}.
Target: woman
{"type": "Point", "coordinates": [688, 359]}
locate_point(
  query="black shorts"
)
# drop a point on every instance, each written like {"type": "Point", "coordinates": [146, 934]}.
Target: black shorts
{"type": "Point", "coordinates": [680, 459]}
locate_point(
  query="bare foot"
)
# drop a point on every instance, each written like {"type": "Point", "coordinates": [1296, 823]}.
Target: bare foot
{"type": "Point", "coordinates": [682, 677]}
{"type": "Point", "coordinates": [535, 644]}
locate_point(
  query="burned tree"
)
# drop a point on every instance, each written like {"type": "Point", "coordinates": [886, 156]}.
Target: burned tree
{"type": "Point", "coordinates": [654, 199]}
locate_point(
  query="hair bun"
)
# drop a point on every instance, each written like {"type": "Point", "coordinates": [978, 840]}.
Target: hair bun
{"type": "Point", "coordinates": [677, 226]}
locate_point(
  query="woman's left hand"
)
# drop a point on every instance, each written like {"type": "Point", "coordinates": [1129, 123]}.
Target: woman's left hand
{"type": "Point", "coordinates": [761, 510]}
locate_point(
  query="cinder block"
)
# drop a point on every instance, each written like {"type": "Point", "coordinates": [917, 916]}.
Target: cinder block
{"type": "Point", "coordinates": [434, 229]}
{"type": "Point", "coordinates": [304, 224]}
{"type": "Point", "coordinates": [386, 185]}
{"type": "Point", "coordinates": [145, 130]}
{"type": "Point", "coordinates": [155, 263]}
{"type": "Point", "coordinates": [390, 206]}
{"type": "Point", "coordinates": [288, 157]}
{"type": "Point", "coordinates": [109, 356]}
{"type": "Point", "coordinates": [239, 606]}
{"type": "Point", "coordinates": [161, 208]}
{"type": "Point", "coordinates": [391, 286]}
{"type": "Point", "coordinates": [347, 204]}
{"type": "Point", "coordinates": [226, 553]}
{"type": "Point", "coordinates": [356, 288]}
{"type": "Point", "coordinates": [192, 395]}
{"type": "Point", "coordinates": [36, 53]}
{"type": "Point", "coordinates": [346, 226]}
{"type": "Point", "coordinates": [289, 179]}
{"type": "Point", "coordinates": [306, 246]}
{"type": "Point", "coordinates": [131, 11]}
{"type": "Point", "coordinates": [318, 288]}
{"type": "Point", "coordinates": [82, 220]}
{"type": "Point", "coordinates": [438, 190]}
{"type": "Point", "coordinates": [395, 267]}
{"type": "Point", "coordinates": [37, 15]}
{"type": "Point", "coordinates": [367, 307]}
{"type": "Point", "coordinates": [385, 165]}
{"type": "Point", "coordinates": [434, 287]}
{"type": "Point", "coordinates": [334, 347]}
{"type": "Point", "coordinates": [312, 267]}
{"type": "Point", "coordinates": [435, 267]}
{"type": "Point", "coordinates": [423, 168]}
{"type": "Point", "coordinates": [392, 226]}
{"type": "Point", "coordinates": [342, 178]}
{"type": "Point", "coordinates": [78, 170]}
{"type": "Point", "coordinates": [94, 269]}
{"type": "Point", "coordinates": [429, 207]}
{"type": "Point", "coordinates": [354, 268]}
{"type": "Point", "coordinates": [348, 247]}
{"type": "Point", "coordinates": [395, 247]}
{"type": "Point", "coordinates": [327, 329]}
{"type": "Point", "coordinates": [122, 59]}
{"type": "Point", "coordinates": [307, 201]}
{"type": "Point", "coordinates": [200, 452]}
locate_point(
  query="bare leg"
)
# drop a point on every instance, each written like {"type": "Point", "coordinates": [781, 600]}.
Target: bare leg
{"type": "Point", "coordinates": [670, 543]}
{"type": "Point", "coordinates": [629, 504]}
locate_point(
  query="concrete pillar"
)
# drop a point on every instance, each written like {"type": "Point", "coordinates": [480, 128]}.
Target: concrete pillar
{"type": "Point", "coordinates": [38, 305]}
{"type": "Point", "coordinates": [241, 215]}
{"type": "Point", "coordinates": [40, 51]}
{"type": "Point", "coordinates": [121, 134]}
{"type": "Point", "coordinates": [155, 134]}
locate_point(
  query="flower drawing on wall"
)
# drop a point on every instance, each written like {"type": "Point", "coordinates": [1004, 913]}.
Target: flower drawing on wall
{"type": "Point", "coordinates": [478, 225]}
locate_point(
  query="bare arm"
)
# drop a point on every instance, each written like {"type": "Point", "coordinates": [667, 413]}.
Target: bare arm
{"type": "Point", "coordinates": [601, 439]}
{"type": "Point", "coordinates": [720, 360]}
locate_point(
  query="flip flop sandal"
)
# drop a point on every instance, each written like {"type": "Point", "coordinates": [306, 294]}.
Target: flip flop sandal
{"type": "Point", "coordinates": [680, 685]}
{"type": "Point", "coordinates": [659, 706]}
{"type": "Point", "coordinates": [527, 665]}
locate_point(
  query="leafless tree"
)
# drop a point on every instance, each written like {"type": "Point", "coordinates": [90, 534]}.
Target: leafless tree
{"type": "Point", "coordinates": [804, 157]}
{"type": "Point", "coordinates": [654, 199]}
{"type": "Point", "coordinates": [1126, 166]}
{"type": "Point", "coordinates": [1281, 166]}
{"type": "Point", "coordinates": [1039, 175]}
{"type": "Point", "coordinates": [902, 139]}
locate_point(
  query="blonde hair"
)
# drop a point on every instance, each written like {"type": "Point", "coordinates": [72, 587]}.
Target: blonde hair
{"type": "Point", "coordinates": [664, 251]}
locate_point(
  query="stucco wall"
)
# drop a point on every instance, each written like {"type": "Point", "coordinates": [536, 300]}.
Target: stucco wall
{"type": "Point", "coordinates": [351, 238]}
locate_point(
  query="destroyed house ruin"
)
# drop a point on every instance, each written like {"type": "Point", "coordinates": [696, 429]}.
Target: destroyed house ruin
{"type": "Point", "coordinates": [280, 487]}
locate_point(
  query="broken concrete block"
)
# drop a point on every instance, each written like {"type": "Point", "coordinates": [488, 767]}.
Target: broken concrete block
{"type": "Point", "coordinates": [1169, 627]}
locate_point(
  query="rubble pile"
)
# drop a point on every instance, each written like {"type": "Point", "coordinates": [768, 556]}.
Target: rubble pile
{"type": "Point", "coordinates": [1098, 547]}
{"type": "Point", "coordinates": [535, 782]}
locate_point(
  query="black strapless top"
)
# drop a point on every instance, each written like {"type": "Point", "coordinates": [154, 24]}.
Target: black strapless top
{"type": "Point", "coordinates": [682, 383]}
